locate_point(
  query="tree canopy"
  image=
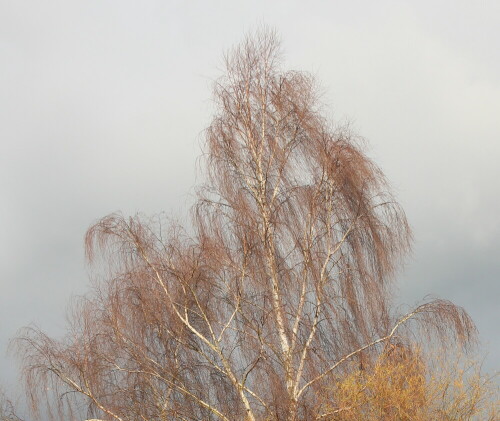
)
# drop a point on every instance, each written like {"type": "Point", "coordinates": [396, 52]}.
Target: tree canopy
{"type": "Point", "coordinates": [273, 300]}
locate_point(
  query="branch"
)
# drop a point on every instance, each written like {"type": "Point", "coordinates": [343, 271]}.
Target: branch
{"type": "Point", "coordinates": [357, 351]}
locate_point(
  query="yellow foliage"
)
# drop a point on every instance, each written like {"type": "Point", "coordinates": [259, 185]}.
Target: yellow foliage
{"type": "Point", "coordinates": [399, 386]}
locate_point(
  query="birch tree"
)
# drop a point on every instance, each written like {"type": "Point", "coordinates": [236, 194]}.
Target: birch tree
{"type": "Point", "coordinates": [282, 281]}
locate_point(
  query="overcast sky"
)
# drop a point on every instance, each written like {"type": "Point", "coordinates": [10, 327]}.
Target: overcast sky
{"type": "Point", "coordinates": [103, 104]}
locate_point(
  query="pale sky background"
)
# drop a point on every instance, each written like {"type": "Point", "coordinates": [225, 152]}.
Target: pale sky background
{"type": "Point", "coordinates": [103, 103]}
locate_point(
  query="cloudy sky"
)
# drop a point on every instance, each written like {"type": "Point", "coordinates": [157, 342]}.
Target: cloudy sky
{"type": "Point", "coordinates": [103, 104]}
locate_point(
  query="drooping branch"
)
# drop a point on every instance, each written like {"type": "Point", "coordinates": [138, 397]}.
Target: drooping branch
{"type": "Point", "coordinates": [450, 319]}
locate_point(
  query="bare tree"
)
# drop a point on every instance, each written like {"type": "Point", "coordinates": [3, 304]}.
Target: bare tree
{"type": "Point", "coordinates": [284, 277]}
